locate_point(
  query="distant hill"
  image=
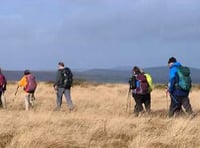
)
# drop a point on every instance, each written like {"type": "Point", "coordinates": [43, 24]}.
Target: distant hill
{"type": "Point", "coordinates": [114, 75]}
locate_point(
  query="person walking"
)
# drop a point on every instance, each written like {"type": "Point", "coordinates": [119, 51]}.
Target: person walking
{"type": "Point", "coordinates": [140, 91]}
{"type": "Point", "coordinates": [29, 84]}
{"type": "Point", "coordinates": [150, 89]}
{"type": "Point", "coordinates": [3, 83]}
{"type": "Point", "coordinates": [62, 86]}
{"type": "Point", "coordinates": [179, 94]}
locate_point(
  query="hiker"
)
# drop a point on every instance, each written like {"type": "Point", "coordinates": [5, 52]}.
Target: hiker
{"type": "Point", "coordinates": [178, 93]}
{"type": "Point", "coordinates": [29, 85]}
{"type": "Point", "coordinates": [3, 83]}
{"type": "Point", "coordinates": [150, 88]}
{"type": "Point", "coordinates": [140, 91]}
{"type": "Point", "coordinates": [62, 85]}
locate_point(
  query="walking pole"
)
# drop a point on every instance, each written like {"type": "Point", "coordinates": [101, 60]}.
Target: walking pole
{"type": "Point", "coordinates": [16, 92]}
{"type": "Point", "coordinates": [128, 101]}
{"type": "Point", "coordinates": [167, 95]}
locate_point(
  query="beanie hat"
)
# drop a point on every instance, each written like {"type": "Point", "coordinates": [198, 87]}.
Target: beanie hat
{"type": "Point", "coordinates": [26, 72]}
{"type": "Point", "coordinates": [172, 60]}
{"type": "Point", "coordinates": [61, 64]}
{"type": "Point", "coordinates": [136, 70]}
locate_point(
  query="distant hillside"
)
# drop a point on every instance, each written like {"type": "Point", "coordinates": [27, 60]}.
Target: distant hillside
{"type": "Point", "coordinates": [115, 75]}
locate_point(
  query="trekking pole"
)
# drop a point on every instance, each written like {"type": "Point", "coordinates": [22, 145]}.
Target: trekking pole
{"type": "Point", "coordinates": [15, 93]}
{"type": "Point", "coordinates": [16, 90]}
{"type": "Point", "coordinates": [128, 101]}
{"type": "Point", "coordinates": [167, 95]}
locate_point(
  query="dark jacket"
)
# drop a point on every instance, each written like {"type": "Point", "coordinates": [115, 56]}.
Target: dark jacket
{"type": "Point", "coordinates": [173, 89]}
{"type": "Point", "coordinates": [60, 79]}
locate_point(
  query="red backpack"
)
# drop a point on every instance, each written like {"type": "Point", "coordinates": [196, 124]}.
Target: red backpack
{"type": "Point", "coordinates": [31, 83]}
{"type": "Point", "coordinates": [143, 85]}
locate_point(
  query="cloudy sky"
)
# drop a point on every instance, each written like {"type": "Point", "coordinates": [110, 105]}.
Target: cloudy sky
{"type": "Point", "coordinates": [36, 34]}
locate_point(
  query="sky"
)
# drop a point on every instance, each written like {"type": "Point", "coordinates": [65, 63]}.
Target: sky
{"type": "Point", "coordinates": [86, 34]}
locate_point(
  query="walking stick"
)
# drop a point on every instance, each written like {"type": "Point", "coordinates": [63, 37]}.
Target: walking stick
{"type": "Point", "coordinates": [16, 90]}
{"type": "Point", "coordinates": [15, 93]}
{"type": "Point", "coordinates": [167, 95]}
{"type": "Point", "coordinates": [128, 101]}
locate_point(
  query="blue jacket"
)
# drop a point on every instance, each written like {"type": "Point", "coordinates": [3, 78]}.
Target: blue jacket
{"type": "Point", "coordinates": [173, 80]}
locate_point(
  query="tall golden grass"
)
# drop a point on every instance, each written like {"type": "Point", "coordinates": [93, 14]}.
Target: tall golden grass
{"type": "Point", "coordinates": [99, 120]}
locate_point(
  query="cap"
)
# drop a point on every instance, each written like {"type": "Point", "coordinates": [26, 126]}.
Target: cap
{"type": "Point", "coordinates": [172, 60]}
{"type": "Point", "coordinates": [61, 64]}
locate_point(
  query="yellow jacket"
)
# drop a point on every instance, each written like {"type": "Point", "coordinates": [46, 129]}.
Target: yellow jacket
{"type": "Point", "coordinates": [22, 82]}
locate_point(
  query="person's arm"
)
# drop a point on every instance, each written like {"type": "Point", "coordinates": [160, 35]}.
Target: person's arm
{"type": "Point", "coordinates": [58, 77]}
{"type": "Point", "coordinates": [172, 81]}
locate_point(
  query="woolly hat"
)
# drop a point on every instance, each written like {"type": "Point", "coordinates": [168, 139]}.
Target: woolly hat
{"type": "Point", "coordinates": [172, 60]}
{"type": "Point", "coordinates": [26, 72]}
{"type": "Point", "coordinates": [61, 64]}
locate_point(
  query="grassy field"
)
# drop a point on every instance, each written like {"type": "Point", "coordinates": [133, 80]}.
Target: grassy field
{"type": "Point", "coordinates": [100, 120]}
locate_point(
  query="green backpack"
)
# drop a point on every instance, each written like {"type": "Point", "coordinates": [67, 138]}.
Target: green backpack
{"type": "Point", "coordinates": [185, 81]}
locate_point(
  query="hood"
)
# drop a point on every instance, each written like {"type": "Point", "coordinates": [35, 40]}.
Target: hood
{"type": "Point", "coordinates": [176, 64]}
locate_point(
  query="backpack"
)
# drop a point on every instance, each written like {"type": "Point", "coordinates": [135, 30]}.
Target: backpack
{"type": "Point", "coordinates": [132, 82]}
{"type": "Point", "coordinates": [142, 84]}
{"type": "Point", "coordinates": [150, 81]}
{"type": "Point", "coordinates": [2, 81]}
{"type": "Point", "coordinates": [184, 79]}
{"type": "Point", "coordinates": [67, 77]}
{"type": "Point", "coordinates": [31, 83]}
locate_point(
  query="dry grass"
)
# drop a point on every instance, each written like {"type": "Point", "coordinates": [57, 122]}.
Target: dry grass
{"type": "Point", "coordinates": [100, 120]}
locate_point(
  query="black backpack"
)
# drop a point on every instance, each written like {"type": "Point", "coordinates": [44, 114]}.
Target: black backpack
{"type": "Point", "coordinates": [67, 77]}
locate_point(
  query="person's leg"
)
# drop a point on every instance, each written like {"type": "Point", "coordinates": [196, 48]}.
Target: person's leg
{"type": "Point", "coordinates": [67, 94]}
{"type": "Point", "coordinates": [1, 105]}
{"type": "Point", "coordinates": [31, 101]}
{"type": "Point", "coordinates": [3, 100]}
{"type": "Point", "coordinates": [26, 102]}
{"type": "Point", "coordinates": [59, 98]}
{"type": "Point", "coordinates": [173, 106]}
{"type": "Point", "coordinates": [138, 104]}
{"type": "Point", "coordinates": [147, 102]}
{"type": "Point", "coordinates": [186, 104]}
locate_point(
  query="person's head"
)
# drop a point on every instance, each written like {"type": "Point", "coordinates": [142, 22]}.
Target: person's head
{"type": "Point", "coordinates": [26, 72]}
{"type": "Point", "coordinates": [136, 70]}
{"type": "Point", "coordinates": [61, 65]}
{"type": "Point", "coordinates": [171, 61]}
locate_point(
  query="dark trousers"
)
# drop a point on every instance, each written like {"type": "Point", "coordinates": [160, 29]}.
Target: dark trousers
{"type": "Point", "coordinates": [176, 105]}
{"type": "Point", "coordinates": [1, 105]}
{"type": "Point", "coordinates": [140, 100]}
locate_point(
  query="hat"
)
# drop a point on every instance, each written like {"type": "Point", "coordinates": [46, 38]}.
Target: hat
{"type": "Point", "coordinates": [172, 60]}
{"type": "Point", "coordinates": [61, 64]}
{"type": "Point", "coordinates": [136, 70]}
{"type": "Point", "coordinates": [26, 72]}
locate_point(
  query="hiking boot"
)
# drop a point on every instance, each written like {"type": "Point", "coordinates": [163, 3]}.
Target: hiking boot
{"type": "Point", "coordinates": [71, 108]}
{"type": "Point", "coordinates": [191, 116]}
{"type": "Point", "coordinates": [135, 114]}
{"type": "Point", "coordinates": [56, 109]}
